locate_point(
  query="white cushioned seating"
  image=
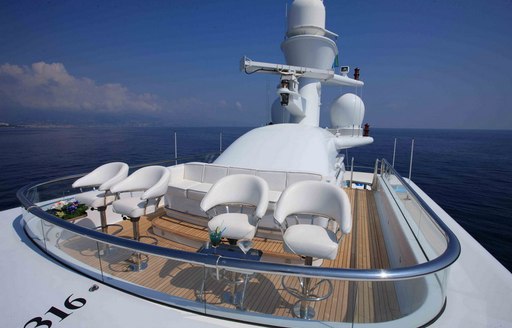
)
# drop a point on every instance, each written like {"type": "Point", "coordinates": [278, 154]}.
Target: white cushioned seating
{"type": "Point", "coordinates": [103, 177]}
{"type": "Point", "coordinates": [94, 198]}
{"type": "Point", "coordinates": [273, 196]}
{"type": "Point", "coordinates": [181, 187]}
{"type": "Point", "coordinates": [233, 225]}
{"type": "Point", "coordinates": [239, 170]}
{"type": "Point", "coordinates": [190, 182]}
{"type": "Point", "coordinates": [198, 191]}
{"type": "Point", "coordinates": [276, 180]}
{"type": "Point", "coordinates": [213, 173]}
{"type": "Point", "coordinates": [293, 177]}
{"type": "Point", "coordinates": [321, 243]}
{"type": "Point", "coordinates": [237, 189]}
{"type": "Point", "coordinates": [322, 199]}
{"type": "Point", "coordinates": [134, 206]}
{"type": "Point", "coordinates": [153, 181]}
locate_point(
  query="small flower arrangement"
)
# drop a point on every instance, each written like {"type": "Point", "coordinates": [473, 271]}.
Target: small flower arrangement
{"type": "Point", "coordinates": [67, 209]}
{"type": "Point", "coordinates": [216, 236]}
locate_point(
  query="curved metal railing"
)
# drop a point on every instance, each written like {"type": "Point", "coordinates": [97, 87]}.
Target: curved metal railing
{"type": "Point", "coordinates": [437, 264]}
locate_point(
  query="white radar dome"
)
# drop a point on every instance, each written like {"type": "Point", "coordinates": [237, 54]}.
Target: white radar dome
{"type": "Point", "coordinates": [306, 17]}
{"type": "Point", "coordinates": [347, 111]}
{"type": "Point", "coordinates": [279, 114]}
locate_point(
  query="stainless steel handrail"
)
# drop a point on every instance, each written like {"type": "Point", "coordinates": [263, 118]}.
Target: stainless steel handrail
{"type": "Point", "coordinates": [449, 256]}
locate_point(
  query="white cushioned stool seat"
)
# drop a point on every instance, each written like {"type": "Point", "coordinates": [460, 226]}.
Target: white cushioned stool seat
{"type": "Point", "coordinates": [133, 206]}
{"type": "Point", "coordinates": [102, 178]}
{"type": "Point", "coordinates": [324, 202]}
{"type": "Point", "coordinates": [238, 189]}
{"type": "Point", "coordinates": [321, 243]}
{"type": "Point", "coordinates": [233, 225]}
{"type": "Point", "coordinates": [152, 182]}
{"type": "Point", "coordinates": [94, 198]}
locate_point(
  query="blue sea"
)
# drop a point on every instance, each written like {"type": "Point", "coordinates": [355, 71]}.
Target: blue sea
{"type": "Point", "coordinates": [467, 172]}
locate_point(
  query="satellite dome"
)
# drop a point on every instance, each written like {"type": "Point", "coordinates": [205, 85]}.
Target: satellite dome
{"type": "Point", "coordinates": [306, 17]}
{"type": "Point", "coordinates": [347, 111]}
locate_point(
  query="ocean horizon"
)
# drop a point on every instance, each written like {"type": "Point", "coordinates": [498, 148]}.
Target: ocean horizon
{"type": "Point", "coordinates": [467, 172]}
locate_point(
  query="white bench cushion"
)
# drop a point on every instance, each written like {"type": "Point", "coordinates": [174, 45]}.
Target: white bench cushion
{"type": "Point", "coordinates": [293, 177]}
{"type": "Point", "coordinates": [239, 170]}
{"type": "Point", "coordinates": [213, 173]}
{"type": "Point", "coordinates": [198, 191]}
{"type": "Point", "coordinates": [179, 188]}
{"type": "Point", "coordinates": [276, 180]}
{"type": "Point", "coordinates": [194, 172]}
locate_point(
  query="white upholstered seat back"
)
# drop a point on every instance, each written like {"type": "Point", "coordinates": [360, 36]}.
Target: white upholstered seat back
{"type": "Point", "coordinates": [104, 176]}
{"type": "Point", "coordinates": [317, 198]}
{"type": "Point", "coordinates": [276, 180]}
{"type": "Point", "coordinates": [153, 180]}
{"type": "Point", "coordinates": [213, 173]}
{"type": "Point", "coordinates": [194, 171]}
{"type": "Point", "coordinates": [238, 189]}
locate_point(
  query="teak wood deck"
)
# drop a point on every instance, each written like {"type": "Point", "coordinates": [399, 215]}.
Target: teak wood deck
{"type": "Point", "coordinates": [363, 248]}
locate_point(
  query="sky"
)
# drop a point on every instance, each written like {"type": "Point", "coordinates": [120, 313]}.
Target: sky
{"type": "Point", "coordinates": [425, 64]}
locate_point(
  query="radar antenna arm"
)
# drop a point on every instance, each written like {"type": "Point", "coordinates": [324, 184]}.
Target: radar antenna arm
{"type": "Point", "coordinates": [324, 75]}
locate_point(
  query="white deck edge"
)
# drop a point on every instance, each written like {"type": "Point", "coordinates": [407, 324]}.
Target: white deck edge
{"type": "Point", "coordinates": [479, 287]}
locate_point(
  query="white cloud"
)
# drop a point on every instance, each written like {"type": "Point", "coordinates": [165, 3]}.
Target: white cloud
{"type": "Point", "coordinates": [50, 86]}
{"type": "Point", "coordinates": [238, 105]}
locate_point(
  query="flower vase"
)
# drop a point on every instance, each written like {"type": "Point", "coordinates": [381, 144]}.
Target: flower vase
{"type": "Point", "coordinates": [215, 239]}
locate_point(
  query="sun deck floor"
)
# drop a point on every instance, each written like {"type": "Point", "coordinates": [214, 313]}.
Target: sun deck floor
{"type": "Point", "coordinates": [363, 248]}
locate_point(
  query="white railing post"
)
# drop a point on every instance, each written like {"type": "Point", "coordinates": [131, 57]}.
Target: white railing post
{"type": "Point", "coordinates": [375, 172]}
{"type": "Point", "coordinates": [394, 152]}
{"type": "Point", "coordinates": [351, 172]}
{"type": "Point", "coordinates": [175, 149]}
{"type": "Point", "coordinates": [220, 143]}
{"type": "Point", "coordinates": [410, 163]}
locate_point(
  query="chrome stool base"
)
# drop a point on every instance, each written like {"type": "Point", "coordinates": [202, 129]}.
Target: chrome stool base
{"type": "Point", "coordinates": [306, 294]}
{"type": "Point", "coordinates": [104, 225]}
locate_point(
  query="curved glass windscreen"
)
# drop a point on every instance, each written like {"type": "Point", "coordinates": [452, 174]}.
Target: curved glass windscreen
{"type": "Point", "coordinates": [229, 283]}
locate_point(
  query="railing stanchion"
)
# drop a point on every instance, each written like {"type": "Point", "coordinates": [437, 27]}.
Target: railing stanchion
{"type": "Point", "coordinates": [175, 149]}
{"type": "Point", "coordinates": [410, 163]}
{"type": "Point", "coordinates": [394, 152]}
{"type": "Point", "coordinates": [220, 143]}
{"type": "Point", "coordinates": [351, 172]}
{"type": "Point", "coordinates": [375, 172]}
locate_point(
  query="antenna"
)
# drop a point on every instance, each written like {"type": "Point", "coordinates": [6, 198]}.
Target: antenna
{"type": "Point", "coordinates": [285, 18]}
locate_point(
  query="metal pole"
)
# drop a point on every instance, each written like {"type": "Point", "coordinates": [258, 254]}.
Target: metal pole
{"type": "Point", "coordinates": [410, 164]}
{"type": "Point", "coordinates": [351, 172]}
{"type": "Point", "coordinates": [394, 152]}
{"type": "Point", "coordinates": [175, 149]}
{"type": "Point", "coordinates": [220, 143]}
{"type": "Point", "coordinates": [375, 173]}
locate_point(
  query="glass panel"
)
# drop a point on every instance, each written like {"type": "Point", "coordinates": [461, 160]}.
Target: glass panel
{"type": "Point", "coordinates": [77, 251]}
{"type": "Point", "coordinates": [174, 282]}
{"type": "Point", "coordinates": [409, 303]}
{"type": "Point", "coordinates": [34, 228]}
{"type": "Point", "coordinates": [430, 237]}
{"type": "Point", "coordinates": [248, 296]}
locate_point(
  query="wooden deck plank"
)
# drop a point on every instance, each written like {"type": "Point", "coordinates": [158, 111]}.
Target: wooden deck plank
{"type": "Point", "coordinates": [363, 248]}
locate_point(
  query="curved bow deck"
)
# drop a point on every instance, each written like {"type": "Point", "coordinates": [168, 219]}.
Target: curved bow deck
{"type": "Point", "coordinates": [364, 248]}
